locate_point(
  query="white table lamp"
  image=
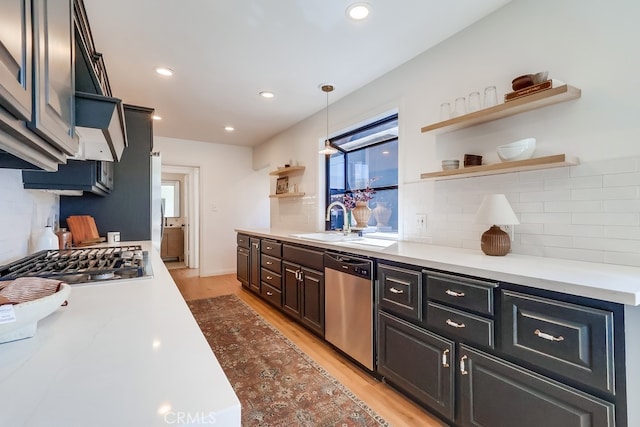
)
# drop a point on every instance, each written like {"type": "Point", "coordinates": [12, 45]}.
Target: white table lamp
{"type": "Point", "coordinates": [495, 210]}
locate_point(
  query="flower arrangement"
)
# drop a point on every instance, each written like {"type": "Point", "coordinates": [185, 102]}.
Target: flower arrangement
{"type": "Point", "coordinates": [364, 195]}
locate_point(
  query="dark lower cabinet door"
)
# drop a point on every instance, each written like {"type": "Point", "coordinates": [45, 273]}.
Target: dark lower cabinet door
{"type": "Point", "coordinates": [242, 268]}
{"type": "Point", "coordinates": [312, 308]}
{"type": "Point", "coordinates": [291, 289]}
{"type": "Point", "coordinates": [417, 361]}
{"type": "Point", "coordinates": [495, 393]}
{"type": "Point", "coordinates": [254, 265]}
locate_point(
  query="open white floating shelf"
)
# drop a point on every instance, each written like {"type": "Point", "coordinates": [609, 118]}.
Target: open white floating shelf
{"type": "Point", "coordinates": [555, 161]}
{"type": "Point", "coordinates": [285, 195]}
{"type": "Point", "coordinates": [286, 171]}
{"type": "Point", "coordinates": [520, 105]}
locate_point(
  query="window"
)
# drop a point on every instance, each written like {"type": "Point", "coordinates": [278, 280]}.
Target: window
{"type": "Point", "coordinates": [366, 156]}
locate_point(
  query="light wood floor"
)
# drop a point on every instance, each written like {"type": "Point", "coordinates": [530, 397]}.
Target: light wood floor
{"type": "Point", "coordinates": [392, 406]}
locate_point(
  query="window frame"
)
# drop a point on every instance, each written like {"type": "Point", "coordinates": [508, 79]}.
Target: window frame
{"type": "Point", "coordinates": [358, 130]}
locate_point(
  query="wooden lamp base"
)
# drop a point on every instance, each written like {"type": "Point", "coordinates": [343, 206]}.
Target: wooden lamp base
{"type": "Point", "coordinates": [495, 242]}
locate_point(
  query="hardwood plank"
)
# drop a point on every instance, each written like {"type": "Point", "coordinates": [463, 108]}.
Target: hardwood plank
{"type": "Point", "coordinates": [398, 410]}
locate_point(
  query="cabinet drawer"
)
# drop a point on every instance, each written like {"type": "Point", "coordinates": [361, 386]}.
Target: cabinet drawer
{"type": "Point", "coordinates": [494, 392]}
{"type": "Point", "coordinates": [272, 295]}
{"type": "Point", "coordinates": [271, 263]}
{"type": "Point", "coordinates": [400, 291]}
{"type": "Point", "coordinates": [306, 257]}
{"type": "Point", "coordinates": [571, 340]}
{"type": "Point", "coordinates": [271, 248]}
{"type": "Point", "coordinates": [243, 241]}
{"type": "Point", "coordinates": [271, 278]}
{"type": "Point", "coordinates": [468, 294]}
{"type": "Point", "coordinates": [463, 326]}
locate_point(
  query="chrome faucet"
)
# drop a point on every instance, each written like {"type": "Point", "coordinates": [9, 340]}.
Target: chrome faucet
{"type": "Point", "coordinates": [346, 227]}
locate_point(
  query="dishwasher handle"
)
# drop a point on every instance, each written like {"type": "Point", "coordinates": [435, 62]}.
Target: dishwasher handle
{"type": "Point", "coordinates": [348, 264]}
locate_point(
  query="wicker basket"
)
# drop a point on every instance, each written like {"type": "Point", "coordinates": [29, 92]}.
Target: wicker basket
{"type": "Point", "coordinates": [29, 313]}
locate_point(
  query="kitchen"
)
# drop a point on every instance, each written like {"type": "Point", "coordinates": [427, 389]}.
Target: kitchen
{"type": "Point", "coordinates": [565, 213]}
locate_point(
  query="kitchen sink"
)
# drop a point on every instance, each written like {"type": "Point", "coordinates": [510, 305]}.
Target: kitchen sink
{"type": "Point", "coordinates": [327, 237]}
{"type": "Point", "coordinates": [348, 240]}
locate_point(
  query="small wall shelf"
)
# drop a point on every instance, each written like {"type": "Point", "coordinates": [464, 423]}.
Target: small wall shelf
{"type": "Point", "coordinates": [286, 171]}
{"type": "Point", "coordinates": [526, 103]}
{"type": "Point", "coordinates": [285, 195]}
{"type": "Point", "coordinates": [546, 162]}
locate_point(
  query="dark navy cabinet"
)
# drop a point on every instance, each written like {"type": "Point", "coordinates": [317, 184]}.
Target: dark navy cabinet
{"type": "Point", "coordinates": [128, 207]}
{"type": "Point", "coordinates": [36, 84]}
{"type": "Point", "coordinates": [90, 175]}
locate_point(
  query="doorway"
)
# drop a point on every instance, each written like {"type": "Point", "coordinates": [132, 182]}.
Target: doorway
{"type": "Point", "coordinates": [180, 243]}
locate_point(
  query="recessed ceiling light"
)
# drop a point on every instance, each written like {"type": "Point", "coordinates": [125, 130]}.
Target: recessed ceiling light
{"type": "Point", "coordinates": [267, 94]}
{"type": "Point", "coordinates": [156, 117]}
{"type": "Point", "coordinates": [229, 128]}
{"type": "Point", "coordinates": [164, 71]}
{"type": "Point", "coordinates": [358, 11]}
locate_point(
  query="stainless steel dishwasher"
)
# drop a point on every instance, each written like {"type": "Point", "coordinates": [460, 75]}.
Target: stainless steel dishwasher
{"type": "Point", "coordinates": [348, 306]}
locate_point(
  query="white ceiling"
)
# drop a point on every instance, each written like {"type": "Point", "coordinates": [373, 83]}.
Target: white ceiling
{"type": "Point", "coordinates": [224, 52]}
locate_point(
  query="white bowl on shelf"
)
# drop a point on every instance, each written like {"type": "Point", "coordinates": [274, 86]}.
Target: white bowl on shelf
{"type": "Point", "coordinates": [29, 313]}
{"type": "Point", "coordinates": [450, 164]}
{"type": "Point", "coordinates": [518, 150]}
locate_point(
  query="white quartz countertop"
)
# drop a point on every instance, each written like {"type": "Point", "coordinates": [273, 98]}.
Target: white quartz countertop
{"type": "Point", "coordinates": [122, 353]}
{"type": "Point", "coordinates": [607, 282]}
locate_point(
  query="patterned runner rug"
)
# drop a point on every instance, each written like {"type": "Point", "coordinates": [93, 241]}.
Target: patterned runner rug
{"type": "Point", "coordinates": [277, 384]}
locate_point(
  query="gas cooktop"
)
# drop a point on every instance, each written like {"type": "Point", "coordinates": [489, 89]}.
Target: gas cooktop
{"type": "Point", "coordinates": [82, 265]}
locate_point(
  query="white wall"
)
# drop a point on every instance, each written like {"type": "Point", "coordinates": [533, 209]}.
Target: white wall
{"type": "Point", "coordinates": [590, 212]}
{"type": "Point", "coordinates": [24, 214]}
{"type": "Point", "coordinates": [232, 195]}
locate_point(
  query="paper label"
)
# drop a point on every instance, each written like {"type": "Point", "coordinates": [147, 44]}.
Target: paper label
{"type": "Point", "coordinates": [7, 315]}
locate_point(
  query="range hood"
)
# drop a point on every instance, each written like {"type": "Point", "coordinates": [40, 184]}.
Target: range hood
{"type": "Point", "coordinates": [100, 126]}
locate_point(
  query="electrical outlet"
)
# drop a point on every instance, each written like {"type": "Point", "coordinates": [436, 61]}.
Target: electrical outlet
{"type": "Point", "coordinates": [421, 222]}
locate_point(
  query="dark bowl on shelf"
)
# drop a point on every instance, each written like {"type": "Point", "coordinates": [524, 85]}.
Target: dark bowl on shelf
{"type": "Point", "coordinates": [472, 160]}
{"type": "Point", "coordinates": [522, 82]}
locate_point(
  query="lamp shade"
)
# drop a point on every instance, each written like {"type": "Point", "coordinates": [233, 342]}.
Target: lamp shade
{"type": "Point", "coordinates": [495, 209]}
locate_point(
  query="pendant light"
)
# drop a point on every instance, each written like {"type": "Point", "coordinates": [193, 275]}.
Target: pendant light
{"type": "Point", "coordinates": [328, 149]}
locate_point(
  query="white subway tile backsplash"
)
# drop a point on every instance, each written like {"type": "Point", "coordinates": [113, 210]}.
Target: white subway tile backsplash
{"type": "Point", "coordinates": [621, 232]}
{"type": "Point", "coordinates": [546, 196]}
{"type": "Point", "coordinates": [605, 167]}
{"type": "Point", "coordinates": [622, 205]}
{"type": "Point", "coordinates": [588, 212]}
{"type": "Point", "coordinates": [574, 230]}
{"type": "Point", "coordinates": [622, 258]}
{"type": "Point", "coordinates": [575, 254]}
{"type": "Point", "coordinates": [621, 180]}
{"type": "Point", "coordinates": [545, 218]}
{"type": "Point", "coordinates": [608, 193]}
{"type": "Point", "coordinates": [24, 213]}
{"type": "Point", "coordinates": [571, 183]}
{"type": "Point", "coordinates": [573, 206]}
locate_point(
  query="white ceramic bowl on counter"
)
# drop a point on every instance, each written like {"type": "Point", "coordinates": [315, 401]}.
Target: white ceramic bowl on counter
{"type": "Point", "coordinates": [518, 150]}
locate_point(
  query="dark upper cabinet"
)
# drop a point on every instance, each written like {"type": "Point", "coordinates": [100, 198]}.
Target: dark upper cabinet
{"type": "Point", "coordinates": [36, 109]}
{"type": "Point", "coordinates": [54, 114]}
{"type": "Point", "coordinates": [15, 58]}
{"type": "Point", "coordinates": [93, 176]}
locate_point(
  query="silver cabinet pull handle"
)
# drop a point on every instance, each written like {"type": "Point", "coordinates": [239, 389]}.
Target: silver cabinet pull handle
{"type": "Point", "coordinates": [454, 293]}
{"type": "Point", "coordinates": [546, 336]}
{"type": "Point", "coordinates": [269, 277]}
{"type": "Point", "coordinates": [269, 263]}
{"type": "Point", "coordinates": [445, 358]}
{"type": "Point", "coordinates": [396, 291]}
{"type": "Point", "coordinates": [346, 267]}
{"type": "Point", "coordinates": [268, 248]}
{"type": "Point", "coordinates": [454, 324]}
{"type": "Point", "coordinates": [269, 293]}
{"type": "Point", "coordinates": [463, 368]}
